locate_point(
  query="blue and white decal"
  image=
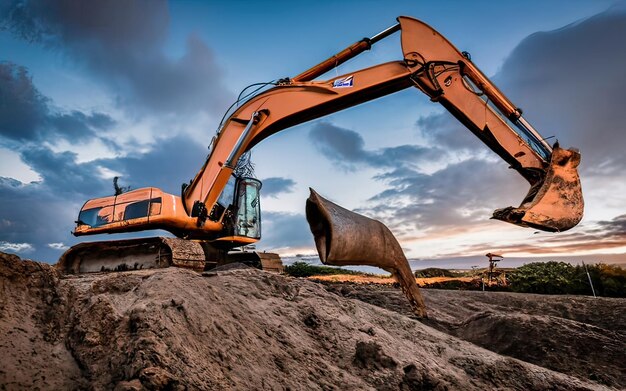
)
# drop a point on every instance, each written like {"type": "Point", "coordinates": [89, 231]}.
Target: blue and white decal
{"type": "Point", "coordinates": [343, 82]}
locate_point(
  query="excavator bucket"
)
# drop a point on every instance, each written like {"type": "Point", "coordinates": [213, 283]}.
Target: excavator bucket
{"type": "Point", "coordinates": [556, 204]}
{"type": "Point", "coordinates": [346, 238]}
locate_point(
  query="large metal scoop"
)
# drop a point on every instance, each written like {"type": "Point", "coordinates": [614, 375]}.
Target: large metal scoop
{"type": "Point", "coordinates": [346, 238]}
{"type": "Point", "coordinates": [554, 205]}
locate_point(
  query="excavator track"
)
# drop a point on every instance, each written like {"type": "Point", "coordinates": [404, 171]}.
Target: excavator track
{"type": "Point", "coordinates": [132, 254]}
{"type": "Point", "coordinates": [156, 253]}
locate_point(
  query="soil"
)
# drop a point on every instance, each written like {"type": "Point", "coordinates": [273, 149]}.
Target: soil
{"type": "Point", "coordinates": [236, 329]}
{"type": "Point", "coordinates": [581, 336]}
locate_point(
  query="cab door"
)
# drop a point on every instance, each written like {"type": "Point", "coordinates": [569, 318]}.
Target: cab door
{"type": "Point", "coordinates": [248, 217]}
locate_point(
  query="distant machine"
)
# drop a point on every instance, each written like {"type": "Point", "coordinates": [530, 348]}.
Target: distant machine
{"type": "Point", "coordinates": [493, 261]}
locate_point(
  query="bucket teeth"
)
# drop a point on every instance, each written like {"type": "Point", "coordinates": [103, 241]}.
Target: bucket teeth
{"type": "Point", "coordinates": [557, 204]}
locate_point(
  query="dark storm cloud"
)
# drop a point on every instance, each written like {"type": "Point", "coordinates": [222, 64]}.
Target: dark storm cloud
{"type": "Point", "coordinates": [617, 226]}
{"type": "Point", "coordinates": [338, 144]}
{"type": "Point", "coordinates": [61, 174]}
{"type": "Point", "coordinates": [282, 229]}
{"type": "Point", "coordinates": [347, 148]}
{"type": "Point", "coordinates": [25, 114]}
{"type": "Point", "coordinates": [170, 163]}
{"type": "Point", "coordinates": [444, 131]}
{"type": "Point", "coordinates": [458, 195]}
{"type": "Point", "coordinates": [123, 42]}
{"type": "Point", "coordinates": [32, 216]}
{"type": "Point", "coordinates": [571, 83]}
{"type": "Point", "coordinates": [22, 108]}
{"type": "Point", "coordinates": [77, 126]}
{"type": "Point", "coordinates": [274, 186]}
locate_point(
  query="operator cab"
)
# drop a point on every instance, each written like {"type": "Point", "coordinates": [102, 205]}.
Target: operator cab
{"type": "Point", "coordinates": [239, 209]}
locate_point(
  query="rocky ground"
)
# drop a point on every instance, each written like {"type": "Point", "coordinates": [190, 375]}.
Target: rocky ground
{"type": "Point", "coordinates": [247, 329]}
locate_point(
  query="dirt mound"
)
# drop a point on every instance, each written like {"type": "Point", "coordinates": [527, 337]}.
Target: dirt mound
{"type": "Point", "coordinates": [580, 336]}
{"type": "Point", "coordinates": [33, 354]}
{"type": "Point", "coordinates": [560, 344]}
{"type": "Point", "coordinates": [239, 329]}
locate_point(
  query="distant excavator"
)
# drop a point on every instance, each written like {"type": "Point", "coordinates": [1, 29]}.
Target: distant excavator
{"type": "Point", "coordinates": [220, 210]}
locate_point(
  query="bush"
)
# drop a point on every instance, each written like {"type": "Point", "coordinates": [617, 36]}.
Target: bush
{"type": "Point", "coordinates": [542, 277]}
{"type": "Point", "coordinates": [474, 285]}
{"type": "Point", "coordinates": [608, 280]}
{"type": "Point", "coordinates": [434, 272]}
{"type": "Point", "coordinates": [303, 269]}
{"type": "Point", "coordinates": [564, 278]}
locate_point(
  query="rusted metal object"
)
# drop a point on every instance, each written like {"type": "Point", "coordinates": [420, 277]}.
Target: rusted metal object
{"type": "Point", "coordinates": [557, 204]}
{"type": "Point", "coordinates": [347, 238]}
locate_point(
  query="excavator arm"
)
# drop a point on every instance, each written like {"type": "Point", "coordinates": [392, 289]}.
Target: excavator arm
{"type": "Point", "coordinates": [431, 64]}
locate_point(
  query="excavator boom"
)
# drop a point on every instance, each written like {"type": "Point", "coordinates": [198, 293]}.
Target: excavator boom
{"type": "Point", "coordinates": [223, 209]}
{"type": "Point", "coordinates": [433, 65]}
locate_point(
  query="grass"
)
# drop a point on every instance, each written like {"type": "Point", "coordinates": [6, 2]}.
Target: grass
{"type": "Point", "coordinates": [303, 269]}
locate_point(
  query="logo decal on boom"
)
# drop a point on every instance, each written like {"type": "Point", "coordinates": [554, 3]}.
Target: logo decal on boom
{"type": "Point", "coordinates": [343, 82]}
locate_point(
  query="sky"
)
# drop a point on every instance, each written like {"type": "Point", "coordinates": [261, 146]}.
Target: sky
{"type": "Point", "coordinates": [136, 89]}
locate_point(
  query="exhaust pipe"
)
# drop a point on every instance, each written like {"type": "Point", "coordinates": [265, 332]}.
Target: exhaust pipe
{"type": "Point", "coordinates": [557, 204]}
{"type": "Point", "coordinates": [346, 238]}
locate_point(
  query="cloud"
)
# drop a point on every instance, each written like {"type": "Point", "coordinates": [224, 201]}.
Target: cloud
{"type": "Point", "coordinates": [61, 173]}
{"type": "Point", "coordinates": [170, 163]}
{"type": "Point", "coordinates": [26, 115]}
{"type": "Point", "coordinates": [78, 126]}
{"type": "Point", "coordinates": [123, 43]}
{"type": "Point", "coordinates": [602, 235]}
{"type": "Point", "coordinates": [443, 130]}
{"type": "Point", "coordinates": [282, 230]}
{"type": "Point", "coordinates": [274, 186]}
{"type": "Point", "coordinates": [22, 108]}
{"type": "Point", "coordinates": [458, 195]}
{"type": "Point", "coordinates": [16, 247]}
{"type": "Point", "coordinates": [58, 246]}
{"type": "Point", "coordinates": [617, 226]}
{"type": "Point", "coordinates": [571, 84]}
{"type": "Point", "coordinates": [43, 213]}
{"type": "Point", "coordinates": [347, 148]}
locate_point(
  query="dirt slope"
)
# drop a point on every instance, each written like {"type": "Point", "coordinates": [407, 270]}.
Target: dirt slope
{"type": "Point", "coordinates": [577, 335]}
{"type": "Point", "coordinates": [238, 329]}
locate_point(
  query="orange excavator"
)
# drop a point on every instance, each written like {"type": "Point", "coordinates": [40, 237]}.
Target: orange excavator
{"type": "Point", "coordinates": [220, 210]}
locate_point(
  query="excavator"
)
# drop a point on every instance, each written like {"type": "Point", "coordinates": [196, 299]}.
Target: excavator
{"type": "Point", "coordinates": [219, 210]}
